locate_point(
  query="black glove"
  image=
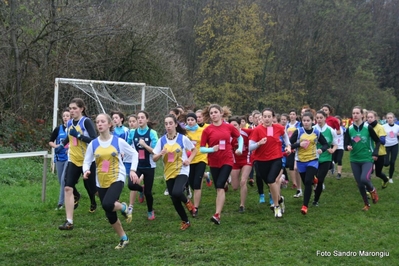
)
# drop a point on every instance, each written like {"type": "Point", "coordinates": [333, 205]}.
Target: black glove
{"type": "Point", "coordinates": [73, 132]}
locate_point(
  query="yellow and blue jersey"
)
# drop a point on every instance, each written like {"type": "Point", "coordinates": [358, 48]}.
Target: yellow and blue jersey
{"type": "Point", "coordinates": [109, 164]}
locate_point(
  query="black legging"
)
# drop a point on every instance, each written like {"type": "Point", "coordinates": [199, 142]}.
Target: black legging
{"type": "Point", "coordinates": [337, 157]}
{"type": "Point", "coordinates": [307, 179]}
{"type": "Point", "coordinates": [108, 196]}
{"type": "Point", "coordinates": [390, 158]}
{"type": "Point", "coordinates": [259, 181]}
{"type": "Point", "coordinates": [321, 175]}
{"type": "Point", "coordinates": [72, 175]}
{"type": "Point", "coordinates": [196, 173]}
{"type": "Point", "coordinates": [379, 164]}
{"type": "Point", "coordinates": [176, 192]}
{"type": "Point", "coordinates": [220, 175]}
{"type": "Point", "coordinates": [149, 174]}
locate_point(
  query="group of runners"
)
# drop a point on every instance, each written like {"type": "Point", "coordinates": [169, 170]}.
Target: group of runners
{"type": "Point", "coordinates": [109, 154]}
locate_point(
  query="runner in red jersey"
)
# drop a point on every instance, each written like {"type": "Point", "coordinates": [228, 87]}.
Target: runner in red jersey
{"type": "Point", "coordinates": [217, 136]}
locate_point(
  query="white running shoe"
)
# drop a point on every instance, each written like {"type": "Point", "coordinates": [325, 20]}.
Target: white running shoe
{"type": "Point", "coordinates": [277, 212]}
{"type": "Point", "coordinates": [166, 192]}
{"type": "Point", "coordinates": [298, 194]}
{"type": "Point", "coordinates": [391, 180]}
{"type": "Point", "coordinates": [282, 204]}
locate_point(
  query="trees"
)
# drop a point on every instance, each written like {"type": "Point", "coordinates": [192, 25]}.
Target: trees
{"type": "Point", "coordinates": [111, 40]}
{"type": "Point", "coordinates": [247, 54]}
{"type": "Point", "coordinates": [231, 42]}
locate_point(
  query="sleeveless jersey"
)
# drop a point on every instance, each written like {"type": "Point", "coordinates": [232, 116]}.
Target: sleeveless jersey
{"type": "Point", "coordinates": [109, 165]}
{"type": "Point", "coordinates": [362, 146]}
{"type": "Point", "coordinates": [121, 132]}
{"type": "Point", "coordinates": [77, 148]}
{"type": "Point", "coordinates": [145, 158]}
{"type": "Point", "coordinates": [380, 131]}
{"type": "Point", "coordinates": [195, 137]}
{"type": "Point", "coordinates": [310, 153]}
{"type": "Point", "coordinates": [62, 156]}
{"type": "Point", "coordinates": [330, 136]}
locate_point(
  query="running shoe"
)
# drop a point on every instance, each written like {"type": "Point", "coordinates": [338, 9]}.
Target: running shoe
{"type": "Point", "coordinates": [66, 226]}
{"type": "Point", "coordinates": [141, 196]}
{"type": "Point", "coordinates": [216, 218]}
{"type": "Point", "coordinates": [195, 214]}
{"type": "Point", "coordinates": [151, 215]}
{"type": "Point", "coordinates": [338, 176]}
{"type": "Point", "coordinates": [190, 207]}
{"type": "Point", "coordinates": [251, 182]}
{"type": "Point", "coordinates": [385, 184]}
{"type": "Point", "coordinates": [304, 210]}
{"type": "Point", "coordinates": [282, 204]}
{"type": "Point", "coordinates": [93, 208]}
{"type": "Point", "coordinates": [125, 212]}
{"type": "Point", "coordinates": [298, 194]}
{"type": "Point", "coordinates": [184, 225]}
{"type": "Point", "coordinates": [76, 202]}
{"type": "Point", "coordinates": [59, 207]}
{"type": "Point", "coordinates": [166, 192]}
{"type": "Point", "coordinates": [129, 214]}
{"type": "Point", "coordinates": [241, 209]}
{"type": "Point", "coordinates": [262, 198]}
{"type": "Point", "coordinates": [315, 203]}
{"type": "Point", "coordinates": [122, 244]}
{"type": "Point", "coordinates": [391, 180]}
{"type": "Point", "coordinates": [208, 179]}
{"type": "Point", "coordinates": [374, 196]}
{"type": "Point", "coordinates": [366, 207]}
{"type": "Point", "coordinates": [277, 212]}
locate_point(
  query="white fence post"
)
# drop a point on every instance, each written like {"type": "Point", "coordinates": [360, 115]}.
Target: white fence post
{"type": "Point", "coordinates": [32, 154]}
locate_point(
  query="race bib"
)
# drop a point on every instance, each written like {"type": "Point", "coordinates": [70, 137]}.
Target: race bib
{"type": "Point", "coordinates": [74, 141]}
{"type": "Point", "coordinates": [391, 134]}
{"type": "Point", "coordinates": [356, 139]}
{"type": "Point", "coordinates": [222, 145]}
{"type": "Point", "coordinates": [171, 157]}
{"type": "Point", "coordinates": [269, 132]}
{"type": "Point", "coordinates": [306, 144]}
{"type": "Point", "coordinates": [141, 154]}
{"type": "Point", "coordinates": [105, 166]}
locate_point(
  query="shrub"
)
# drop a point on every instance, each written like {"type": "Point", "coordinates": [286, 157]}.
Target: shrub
{"type": "Point", "coordinates": [22, 135]}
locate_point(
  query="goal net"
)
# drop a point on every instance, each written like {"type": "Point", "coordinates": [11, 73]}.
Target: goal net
{"type": "Point", "coordinates": [105, 96]}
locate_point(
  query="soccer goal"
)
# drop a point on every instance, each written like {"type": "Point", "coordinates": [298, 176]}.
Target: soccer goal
{"type": "Point", "coordinates": [104, 96]}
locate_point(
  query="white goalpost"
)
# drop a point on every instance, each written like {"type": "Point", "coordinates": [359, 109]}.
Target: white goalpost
{"type": "Point", "coordinates": [102, 96]}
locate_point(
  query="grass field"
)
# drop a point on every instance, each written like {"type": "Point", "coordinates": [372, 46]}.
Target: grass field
{"type": "Point", "coordinates": [29, 232]}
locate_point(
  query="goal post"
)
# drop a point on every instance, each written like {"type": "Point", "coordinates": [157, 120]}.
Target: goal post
{"type": "Point", "coordinates": [101, 96]}
{"type": "Point", "coordinates": [94, 95]}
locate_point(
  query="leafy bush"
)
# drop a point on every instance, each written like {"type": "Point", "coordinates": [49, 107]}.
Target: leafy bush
{"type": "Point", "coordinates": [22, 135]}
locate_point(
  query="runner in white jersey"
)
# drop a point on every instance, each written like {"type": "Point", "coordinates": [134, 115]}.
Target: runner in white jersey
{"type": "Point", "coordinates": [391, 144]}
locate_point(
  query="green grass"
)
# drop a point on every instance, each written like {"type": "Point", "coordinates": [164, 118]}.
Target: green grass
{"type": "Point", "coordinates": [29, 232]}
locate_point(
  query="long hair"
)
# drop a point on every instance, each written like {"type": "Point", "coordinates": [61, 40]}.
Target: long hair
{"type": "Point", "coordinates": [179, 128]}
{"type": "Point", "coordinates": [81, 104]}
